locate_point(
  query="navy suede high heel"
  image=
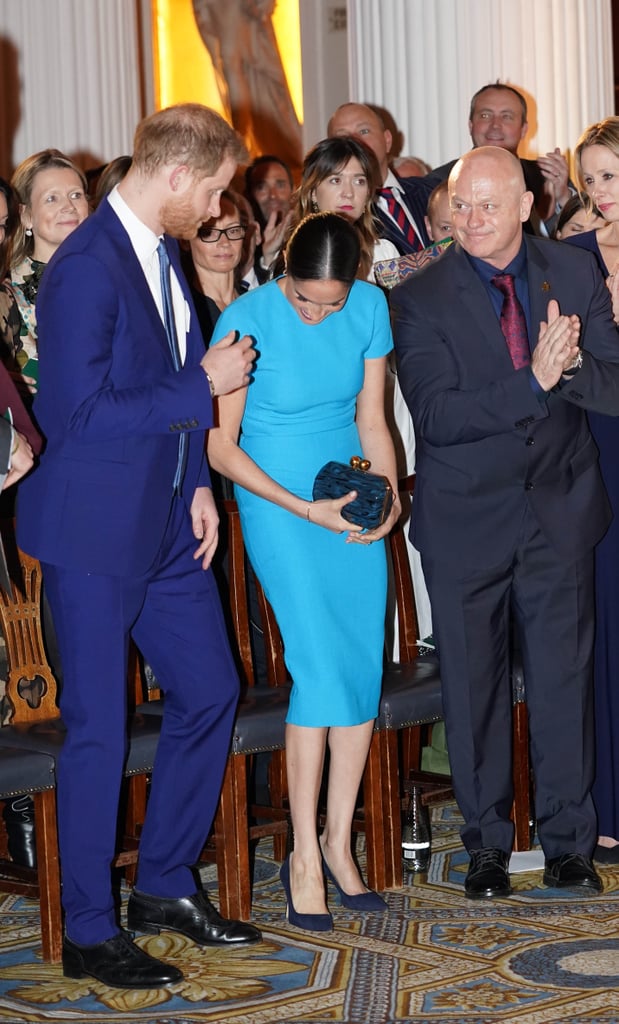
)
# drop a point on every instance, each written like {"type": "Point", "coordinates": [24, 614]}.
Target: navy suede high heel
{"type": "Point", "coordinates": [309, 922]}
{"type": "Point", "coordinates": [369, 902]}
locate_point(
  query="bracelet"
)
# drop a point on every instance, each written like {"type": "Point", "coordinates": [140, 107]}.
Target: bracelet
{"type": "Point", "coordinates": [210, 383]}
{"type": "Point", "coordinates": [15, 443]}
{"type": "Point", "coordinates": [307, 513]}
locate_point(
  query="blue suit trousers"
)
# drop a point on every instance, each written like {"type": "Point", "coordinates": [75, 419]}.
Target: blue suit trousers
{"type": "Point", "coordinates": [174, 615]}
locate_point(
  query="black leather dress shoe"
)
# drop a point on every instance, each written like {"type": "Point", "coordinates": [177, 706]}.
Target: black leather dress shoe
{"type": "Point", "coordinates": [572, 871]}
{"type": "Point", "coordinates": [118, 963]}
{"type": "Point", "coordinates": [193, 916]}
{"type": "Point", "coordinates": [488, 874]}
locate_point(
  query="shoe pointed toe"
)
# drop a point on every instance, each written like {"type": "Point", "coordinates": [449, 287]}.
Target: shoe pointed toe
{"type": "Point", "coordinates": [193, 916]}
{"type": "Point", "coordinates": [367, 902]}
{"type": "Point", "coordinates": [308, 922]}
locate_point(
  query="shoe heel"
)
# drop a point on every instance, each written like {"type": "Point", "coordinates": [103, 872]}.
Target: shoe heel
{"type": "Point", "coordinates": [308, 922]}
{"type": "Point", "coordinates": [72, 965]}
{"type": "Point", "coordinates": [136, 925]}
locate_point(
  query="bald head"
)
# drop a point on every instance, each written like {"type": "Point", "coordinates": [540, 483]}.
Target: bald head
{"type": "Point", "coordinates": [365, 124]}
{"type": "Point", "coordinates": [489, 204]}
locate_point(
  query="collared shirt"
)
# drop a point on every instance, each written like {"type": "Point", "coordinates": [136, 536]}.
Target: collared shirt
{"type": "Point", "coordinates": [145, 242]}
{"type": "Point", "coordinates": [392, 182]}
{"type": "Point", "coordinates": [518, 268]}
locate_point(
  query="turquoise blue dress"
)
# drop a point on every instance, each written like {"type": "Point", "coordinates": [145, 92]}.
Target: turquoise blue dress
{"type": "Point", "coordinates": [328, 596]}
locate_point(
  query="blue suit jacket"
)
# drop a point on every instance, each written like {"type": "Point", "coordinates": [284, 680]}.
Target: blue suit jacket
{"type": "Point", "coordinates": [486, 446]}
{"type": "Point", "coordinates": [416, 192]}
{"type": "Point", "coordinates": [111, 406]}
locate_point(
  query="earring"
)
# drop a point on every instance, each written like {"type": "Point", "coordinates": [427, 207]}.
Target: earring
{"type": "Point", "coordinates": [29, 232]}
{"type": "Point", "coordinates": [315, 208]}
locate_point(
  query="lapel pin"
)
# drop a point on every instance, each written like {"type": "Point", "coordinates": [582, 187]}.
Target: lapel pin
{"type": "Point", "coordinates": [545, 286]}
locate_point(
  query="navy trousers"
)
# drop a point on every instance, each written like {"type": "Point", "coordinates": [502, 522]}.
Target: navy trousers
{"type": "Point", "coordinates": [175, 617]}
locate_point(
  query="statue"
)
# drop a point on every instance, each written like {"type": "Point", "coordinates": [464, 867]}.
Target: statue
{"type": "Point", "coordinates": [240, 39]}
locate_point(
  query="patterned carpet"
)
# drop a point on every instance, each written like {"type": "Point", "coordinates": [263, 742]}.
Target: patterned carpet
{"type": "Point", "coordinates": [434, 958]}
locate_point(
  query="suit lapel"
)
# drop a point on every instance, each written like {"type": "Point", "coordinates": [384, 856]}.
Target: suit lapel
{"type": "Point", "coordinates": [541, 286]}
{"type": "Point", "coordinates": [134, 276]}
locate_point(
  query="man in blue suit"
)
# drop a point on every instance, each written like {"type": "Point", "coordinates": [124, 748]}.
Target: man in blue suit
{"type": "Point", "coordinates": [509, 504]}
{"type": "Point", "coordinates": [121, 515]}
{"type": "Point", "coordinates": [401, 204]}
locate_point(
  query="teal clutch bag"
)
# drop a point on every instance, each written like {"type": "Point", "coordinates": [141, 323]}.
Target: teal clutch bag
{"type": "Point", "coordinates": [374, 492]}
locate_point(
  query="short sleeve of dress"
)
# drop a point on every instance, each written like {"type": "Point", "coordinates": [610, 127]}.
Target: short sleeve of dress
{"type": "Point", "coordinates": [380, 341]}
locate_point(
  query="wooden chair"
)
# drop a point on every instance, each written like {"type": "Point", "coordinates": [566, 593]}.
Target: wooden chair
{"type": "Point", "coordinates": [410, 702]}
{"type": "Point", "coordinates": [259, 728]}
{"type": "Point", "coordinates": [34, 737]}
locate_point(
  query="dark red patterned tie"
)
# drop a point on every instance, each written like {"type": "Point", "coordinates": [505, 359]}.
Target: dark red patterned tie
{"type": "Point", "coordinates": [513, 321]}
{"type": "Point", "coordinates": [396, 211]}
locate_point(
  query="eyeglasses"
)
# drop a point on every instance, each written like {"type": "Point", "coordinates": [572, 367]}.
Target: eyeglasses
{"type": "Point", "coordinates": [234, 233]}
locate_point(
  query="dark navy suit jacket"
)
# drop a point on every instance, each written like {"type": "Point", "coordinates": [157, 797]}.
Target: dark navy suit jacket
{"type": "Point", "coordinates": [416, 193]}
{"type": "Point", "coordinates": [111, 406]}
{"type": "Point", "coordinates": [486, 445]}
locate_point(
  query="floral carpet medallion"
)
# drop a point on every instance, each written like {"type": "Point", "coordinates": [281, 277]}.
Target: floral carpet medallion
{"type": "Point", "coordinates": [539, 957]}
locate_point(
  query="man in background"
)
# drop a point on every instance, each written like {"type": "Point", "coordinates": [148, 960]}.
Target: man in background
{"type": "Point", "coordinates": [401, 203]}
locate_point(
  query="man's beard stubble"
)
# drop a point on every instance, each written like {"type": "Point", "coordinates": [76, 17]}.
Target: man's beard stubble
{"type": "Point", "coordinates": [178, 218]}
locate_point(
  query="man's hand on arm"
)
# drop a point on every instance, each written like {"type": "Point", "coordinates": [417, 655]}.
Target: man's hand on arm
{"type": "Point", "coordinates": [205, 523]}
{"type": "Point", "coordinates": [228, 363]}
{"type": "Point", "coordinates": [557, 347]}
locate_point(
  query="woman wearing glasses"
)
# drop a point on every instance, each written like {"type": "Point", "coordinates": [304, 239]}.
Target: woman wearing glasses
{"type": "Point", "coordinates": [213, 271]}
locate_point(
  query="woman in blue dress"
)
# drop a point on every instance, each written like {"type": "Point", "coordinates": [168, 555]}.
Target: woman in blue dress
{"type": "Point", "coordinates": [317, 395]}
{"type": "Point", "coordinates": [597, 164]}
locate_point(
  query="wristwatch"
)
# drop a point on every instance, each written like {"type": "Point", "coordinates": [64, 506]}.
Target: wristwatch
{"type": "Point", "coordinates": [575, 366]}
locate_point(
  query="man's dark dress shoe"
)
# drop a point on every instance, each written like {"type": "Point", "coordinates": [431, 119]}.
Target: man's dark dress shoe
{"type": "Point", "coordinates": [488, 874]}
{"type": "Point", "coordinates": [572, 871]}
{"type": "Point", "coordinates": [118, 963]}
{"type": "Point", "coordinates": [193, 916]}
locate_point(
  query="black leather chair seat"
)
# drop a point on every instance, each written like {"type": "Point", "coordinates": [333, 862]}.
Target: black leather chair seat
{"type": "Point", "coordinates": [260, 719]}
{"type": "Point", "coordinates": [47, 737]}
{"type": "Point", "coordinates": [411, 694]}
{"type": "Point", "coordinates": [25, 771]}
{"type": "Point", "coordinates": [260, 723]}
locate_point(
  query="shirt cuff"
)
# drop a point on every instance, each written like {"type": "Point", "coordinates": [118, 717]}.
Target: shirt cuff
{"type": "Point", "coordinates": [536, 387]}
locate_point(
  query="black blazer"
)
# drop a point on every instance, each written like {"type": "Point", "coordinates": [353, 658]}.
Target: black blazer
{"type": "Point", "coordinates": [486, 446]}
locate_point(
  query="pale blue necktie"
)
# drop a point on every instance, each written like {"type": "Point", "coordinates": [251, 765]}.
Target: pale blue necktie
{"type": "Point", "coordinates": [170, 329]}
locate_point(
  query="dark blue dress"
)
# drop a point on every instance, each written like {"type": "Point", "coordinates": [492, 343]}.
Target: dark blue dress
{"type": "Point", "coordinates": [605, 430]}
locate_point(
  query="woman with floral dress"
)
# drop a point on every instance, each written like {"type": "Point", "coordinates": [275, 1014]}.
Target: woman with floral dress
{"type": "Point", "coordinates": [51, 192]}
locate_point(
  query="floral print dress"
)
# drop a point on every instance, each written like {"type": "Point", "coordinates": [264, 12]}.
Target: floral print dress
{"type": "Point", "coordinates": [18, 325]}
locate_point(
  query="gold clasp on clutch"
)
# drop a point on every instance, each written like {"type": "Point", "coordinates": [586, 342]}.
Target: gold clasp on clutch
{"type": "Point", "coordinates": [358, 463]}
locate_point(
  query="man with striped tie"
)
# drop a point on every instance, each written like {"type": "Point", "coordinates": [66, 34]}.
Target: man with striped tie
{"type": "Point", "coordinates": [401, 203]}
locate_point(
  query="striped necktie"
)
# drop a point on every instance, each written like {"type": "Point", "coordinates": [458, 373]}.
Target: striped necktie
{"type": "Point", "coordinates": [396, 211]}
{"type": "Point", "coordinates": [170, 329]}
{"type": "Point", "coordinates": [513, 321]}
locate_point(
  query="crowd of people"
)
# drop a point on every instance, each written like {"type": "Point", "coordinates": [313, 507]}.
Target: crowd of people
{"type": "Point", "coordinates": [187, 301]}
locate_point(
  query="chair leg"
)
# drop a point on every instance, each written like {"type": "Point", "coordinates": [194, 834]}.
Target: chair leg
{"type": "Point", "coordinates": [383, 815]}
{"type": "Point", "coordinates": [231, 835]}
{"type": "Point", "coordinates": [137, 792]}
{"type": "Point", "coordinates": [521, 809]}
{"type": "Point", "coordinates": [48, 870]}
{"type": "Point", "coordinates": [278, 789]}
